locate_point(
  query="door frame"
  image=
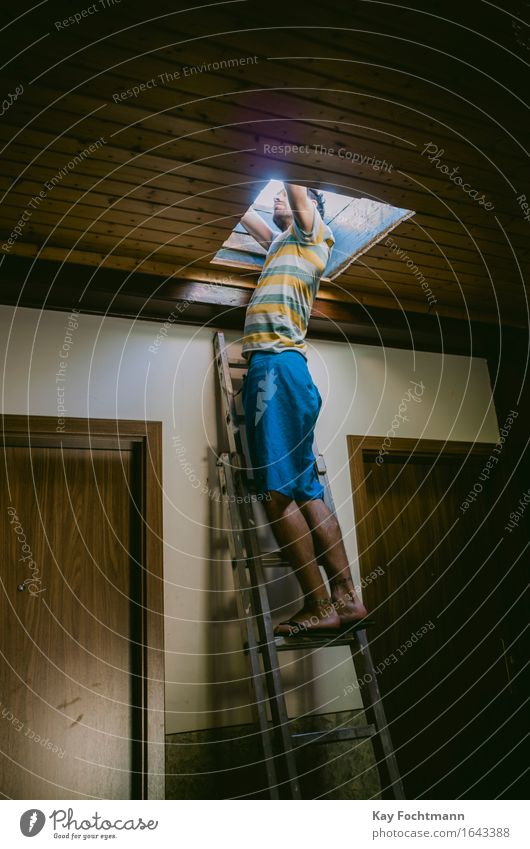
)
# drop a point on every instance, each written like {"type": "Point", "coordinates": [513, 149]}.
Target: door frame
{"type": "Point", "coordinates": [144, 439]}
{"type": "Point", "coordinates": [359, 446]}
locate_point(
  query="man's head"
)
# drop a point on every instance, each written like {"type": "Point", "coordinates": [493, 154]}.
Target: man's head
{"type": "Point", "coordinates": [283, 215]}
{"type": "Point", "coordinates": [318, 199]}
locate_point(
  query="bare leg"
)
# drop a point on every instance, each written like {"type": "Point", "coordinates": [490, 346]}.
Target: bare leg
{"type": "Point", "coordinates": [329, 546]}
{"type": "Point", "coordinates": [294, 537]}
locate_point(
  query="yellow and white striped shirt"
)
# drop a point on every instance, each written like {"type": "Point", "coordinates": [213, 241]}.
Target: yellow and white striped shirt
{"type": "Point", "coordinates": [278, 311]}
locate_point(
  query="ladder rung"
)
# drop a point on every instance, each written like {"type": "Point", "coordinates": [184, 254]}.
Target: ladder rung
{"type": "Point", "coordinates": [307, 643]}
{"type": "Point", "coordinates": [314, 642]}
{"type": "Point", "coordinates": [272, 558]}
{"type": "Point", "coordinates": [335, 735]}
{"type": "Point", "coordinates": [241, 363]}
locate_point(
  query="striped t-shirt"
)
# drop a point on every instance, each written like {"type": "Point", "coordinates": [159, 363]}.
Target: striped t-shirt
{"type": "Point", "coordinates": [278, 311]}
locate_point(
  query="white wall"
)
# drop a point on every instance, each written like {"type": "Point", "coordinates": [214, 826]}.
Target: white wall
{"type": "Point", "coordinates": [112, 374]}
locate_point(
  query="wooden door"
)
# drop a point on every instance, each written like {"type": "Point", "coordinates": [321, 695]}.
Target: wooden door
{"type": "Point", "coordinates": [439, 606]}
{"type": "Point", "coordinates": [71, 621]}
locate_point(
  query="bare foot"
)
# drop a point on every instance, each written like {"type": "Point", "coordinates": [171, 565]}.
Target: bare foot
{"type": "Point", "coordinates": [314, 618]}
{"type": "Point", "coordinates": [345, 601]}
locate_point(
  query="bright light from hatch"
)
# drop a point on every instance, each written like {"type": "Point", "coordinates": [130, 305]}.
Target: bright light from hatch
{"type": "Point", "coordinates": [334, 203]}
{"type": "Point", "coordinates": [357, 224]}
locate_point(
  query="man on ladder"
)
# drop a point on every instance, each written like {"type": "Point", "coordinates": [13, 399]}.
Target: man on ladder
{"type": "Point", "coordinates": [282, 404]}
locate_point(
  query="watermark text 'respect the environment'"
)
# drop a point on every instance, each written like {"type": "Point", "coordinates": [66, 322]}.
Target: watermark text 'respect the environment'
{"type": "Point", "coordinates": [184, 72]}
{"type": "Point", "coordinates": [401, 254]}
{"type": "Point", "coordinates": [48, 187]}
{"type": "Point", "coordinates": [87, 12]}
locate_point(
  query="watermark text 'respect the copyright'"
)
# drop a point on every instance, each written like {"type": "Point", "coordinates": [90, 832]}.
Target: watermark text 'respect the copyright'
{"type": "Point", "coordinates": [321, 150]}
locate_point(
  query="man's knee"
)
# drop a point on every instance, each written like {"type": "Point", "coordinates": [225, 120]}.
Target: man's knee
{"type": "Point", "coordinates": [315, 507]}
{"type": "Point", "coordinates": [320, 518]}
{"type": "Point", "coordinates": [330, 524]}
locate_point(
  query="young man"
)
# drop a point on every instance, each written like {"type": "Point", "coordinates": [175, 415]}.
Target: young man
{"type": "Point", "coordinates": [282, 404]}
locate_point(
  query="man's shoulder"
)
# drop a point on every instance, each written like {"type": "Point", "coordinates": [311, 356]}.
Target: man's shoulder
{"type": "Point", "coordinates": [321, 233]}
{"type": "Point", "coordinates": [280, 237]}
{"type": "Point", "coordinates": [328, 234]}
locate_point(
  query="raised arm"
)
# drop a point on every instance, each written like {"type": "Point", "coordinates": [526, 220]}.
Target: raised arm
{"type": "Point", "coordinates": [257, 227]}
{"type": "Point", "coordinates": [301, 205]}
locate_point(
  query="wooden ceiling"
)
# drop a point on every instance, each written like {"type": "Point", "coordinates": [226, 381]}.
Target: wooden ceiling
{"type": "Point", "coordinates": [180, 161]}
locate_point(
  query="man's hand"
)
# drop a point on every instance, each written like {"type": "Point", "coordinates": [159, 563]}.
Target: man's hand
{"type": "Point", "coordinates": [257, 227]}
{"type": "Point", "coordinates": [301, 205]}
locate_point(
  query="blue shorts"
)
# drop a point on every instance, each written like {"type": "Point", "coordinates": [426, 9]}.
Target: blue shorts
{"type": "Point", "coordinates": [281, 405]}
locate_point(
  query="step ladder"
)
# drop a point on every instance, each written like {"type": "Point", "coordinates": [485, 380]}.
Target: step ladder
{"type": "Point", "coordinates": [261, 646]}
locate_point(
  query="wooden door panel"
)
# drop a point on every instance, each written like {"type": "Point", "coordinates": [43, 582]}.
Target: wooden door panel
{"type": "Point", "coordinates": [443, 683]}
{"type": "Point", "coordinates": [69, 639]}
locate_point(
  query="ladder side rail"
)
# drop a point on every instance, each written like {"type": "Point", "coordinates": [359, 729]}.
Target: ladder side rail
{"type": "Point", "coordinates": [227, 395]}
{"type": "Point", "coordinates": [375, 713]}
{"type": "Point", "coordinates": [320, 462]}
{"type": "Point", "coordinates": [370, 693]}
{"type": "Point", "coordinates": [334, 735]}
{"type": "Point", "coordinates": [245, 608]}
{"type": "Point", "coordinates": [275, 683]}
{"type": "Point", "coordinates": [269, 654]}
{"type": "Point", "coordinates": [235, 483]}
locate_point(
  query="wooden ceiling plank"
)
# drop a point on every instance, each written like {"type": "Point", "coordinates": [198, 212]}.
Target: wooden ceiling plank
{"type": "Point", "coordinates": [401, 157]}
{"type": "Point", "coordinates": [98, 168]}
{"type": "Point", "coordinates": [203, 238]}
{"type": "Point", "coordinates": [410, 198]}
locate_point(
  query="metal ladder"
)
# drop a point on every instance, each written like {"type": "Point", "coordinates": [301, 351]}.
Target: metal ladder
{"type": "Point", "coordinates": [261, 646]}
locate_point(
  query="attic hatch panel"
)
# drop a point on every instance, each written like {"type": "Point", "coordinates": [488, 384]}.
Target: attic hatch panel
{"type": "Point", "coordinates": [356, 223]}
{"type": "Point", "coordinates": [359, 227]}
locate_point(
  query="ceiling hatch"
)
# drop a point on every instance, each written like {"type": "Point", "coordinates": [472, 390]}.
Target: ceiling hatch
{"type": "Point", "coordinates": [356, 223]}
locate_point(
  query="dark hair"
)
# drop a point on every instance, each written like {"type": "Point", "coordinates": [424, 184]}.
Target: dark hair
{"type": "Point", "coordinates": [314, 194]}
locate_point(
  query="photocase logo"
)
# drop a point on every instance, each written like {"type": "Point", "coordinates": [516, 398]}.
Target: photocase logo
{"type": "Point", "coordinates": [267, 389]}
{"type": "Point", "coordinates": [31, 822]}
